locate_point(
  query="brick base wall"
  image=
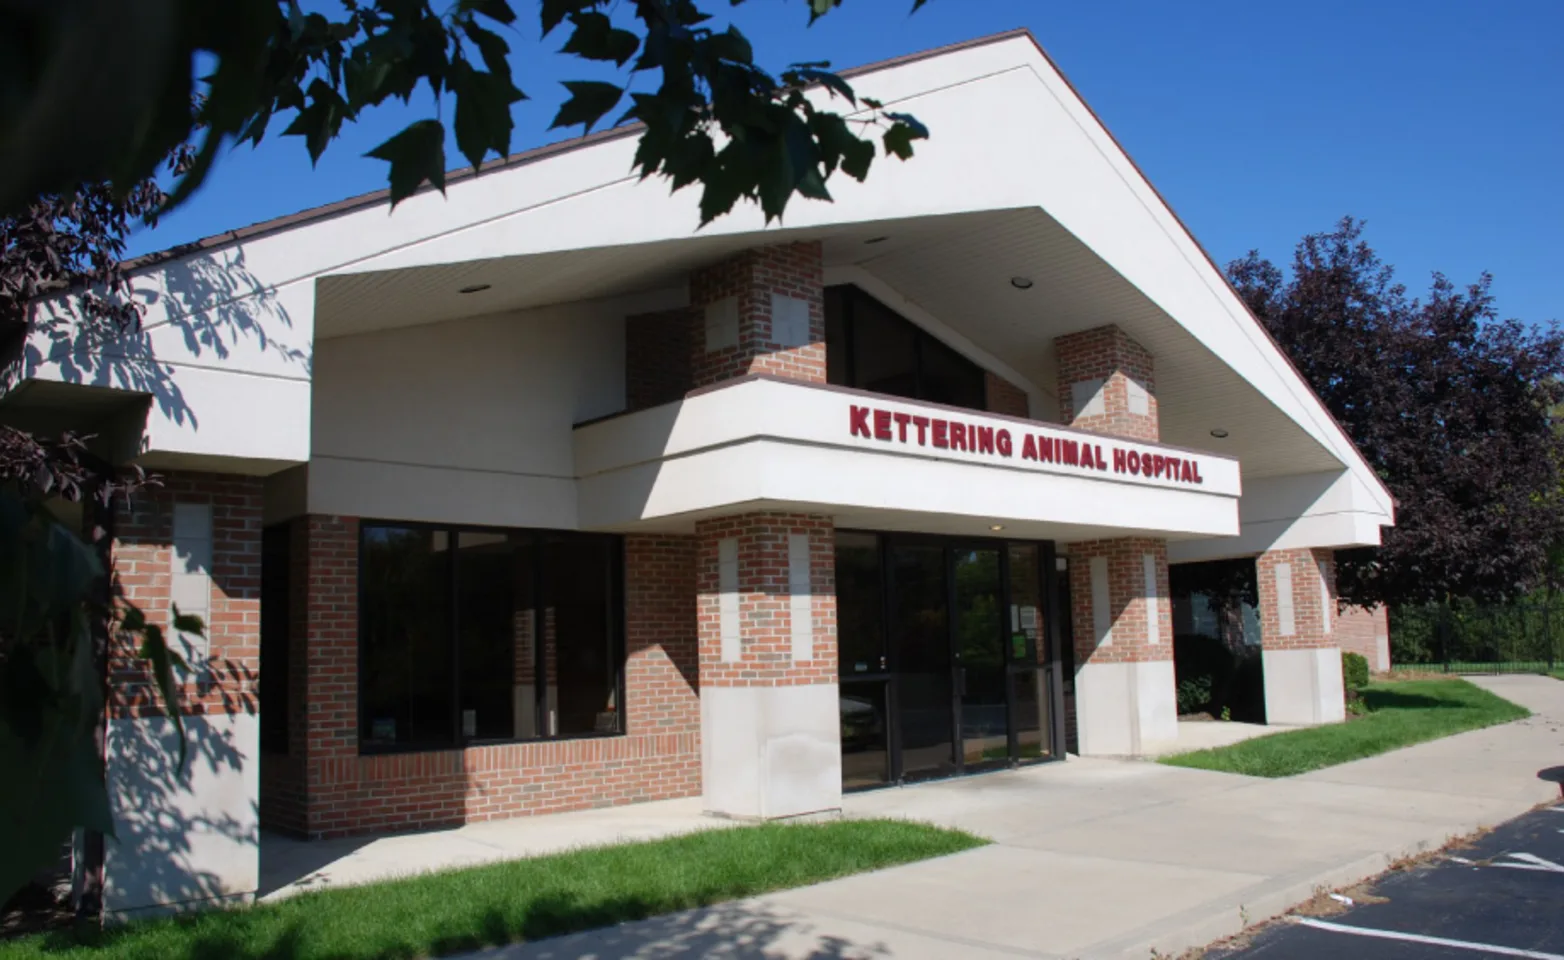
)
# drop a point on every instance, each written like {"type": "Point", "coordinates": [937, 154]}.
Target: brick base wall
{"type": "Point", "coordinates": [324, 788]}
{"type": "Point", "coordinates": [444, 788]}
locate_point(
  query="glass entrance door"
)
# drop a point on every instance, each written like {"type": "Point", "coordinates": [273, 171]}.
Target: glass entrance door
{"type": "Point", "coordinates": [920, 634]}
{"type": "Point", "coordinates": [979, 657]}
{"type": "Point", "coordinates": [945, 665]}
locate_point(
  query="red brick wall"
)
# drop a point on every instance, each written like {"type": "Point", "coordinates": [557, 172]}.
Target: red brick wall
{"type": "Point", "coordinates": [1364, 630]}
{"type": "Point", "coordinates": [658, 353]}
{"type": "Point", "coordinates": [1002, 396]}
{"type": "Point", "coordinates": [764, 606]}
{"type": "Point", "coordinates": [143, 559]}
{"type": "Point", "coordinates": [1107, 353]}
{"type": "Point", "coordinates": [1129, 612]}
{"type": "Point", "coordinates": [662, 673]}
{"type": "Point", "coordinates": [324, 788]}
{"type": "Point", "coordinates": [794, 269]}
{"type": "Point", "coordinates": [1310, 628]}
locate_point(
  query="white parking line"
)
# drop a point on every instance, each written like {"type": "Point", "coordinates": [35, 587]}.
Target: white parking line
{"type": "Point", "coordinates": [1530, 861]}
{"type": "Point", "coordinates": [1489, 948]}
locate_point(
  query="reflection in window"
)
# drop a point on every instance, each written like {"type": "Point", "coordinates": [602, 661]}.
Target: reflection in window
{"type": "Point", "coordinates": [404, 632]}
{"type": "Point", "coordinates": [450, 642]}
{"type": "Point", "coordinates": [860, 616]}
{"type": "Point", "coordinates": [579, 635]}
{"type": "Point", "coordinates": [1026, 610]}
{"type": "Point", "coordinates": [871, 347]}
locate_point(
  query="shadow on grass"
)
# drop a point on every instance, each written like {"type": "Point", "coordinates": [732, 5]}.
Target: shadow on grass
{"type": "Point", "coordinates": [733, 930]}
{"type": "Point", "coordinates": [1397, 700]}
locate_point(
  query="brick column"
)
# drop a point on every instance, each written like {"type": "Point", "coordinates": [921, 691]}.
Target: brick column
{"type": "Point", "coordinates": [762, 311]}
{"type": "Point", "coordinates": [770, 716]}
{"type": "Point", "coordinates": [1125, 699]}
{"type": "Point", "coordinates": [1123, 625]}
{"type": "Point", "coordinates": [1299, 652]}
{"type": "Point", "coordinates": [191, 834]}
{"type": "Point", "coordinates": [1106, 383]}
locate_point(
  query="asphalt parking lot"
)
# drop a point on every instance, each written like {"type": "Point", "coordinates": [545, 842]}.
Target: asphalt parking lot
{"type": "Point", "coordinates": [1501, 896]}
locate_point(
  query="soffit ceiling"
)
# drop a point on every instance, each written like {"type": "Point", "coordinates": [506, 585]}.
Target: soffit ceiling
{"type": "Point", "coordinates": [957, 268]}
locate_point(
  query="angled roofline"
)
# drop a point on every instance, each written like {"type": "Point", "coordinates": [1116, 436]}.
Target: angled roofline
{"type": "Point", "coordinates": [1260, 324]}
{"type": "Point", "coordinates": [374, 198]}
{"type": "Point", "coordinates": [377, 197]}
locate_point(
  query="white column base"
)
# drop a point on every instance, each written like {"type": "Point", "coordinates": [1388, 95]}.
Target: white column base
{"type": "Point", "coordinates": [188, 841]}
{"type": "Point", "coordinates": [771, 752]}
{"type": "Point", "coordinates": [1125, 709]}
{"type": "Point", "coordinates": [1303, 686]}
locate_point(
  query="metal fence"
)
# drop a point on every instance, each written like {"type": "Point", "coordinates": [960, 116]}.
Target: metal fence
{"type": "Point", "coordinates": [1522, 637]}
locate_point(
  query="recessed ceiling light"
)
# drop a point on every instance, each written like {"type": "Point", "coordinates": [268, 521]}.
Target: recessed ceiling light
{"type": "Point", "coordinates": [1219, 433]}
{"type": "Point", "coordinates": [876, 240]}
{"type": "Point", "coordinates": [996, 527]}
{"type": "Point", "coordinates": [1021, 283]}
{"type": "Point", "coordinates": [475, 288]}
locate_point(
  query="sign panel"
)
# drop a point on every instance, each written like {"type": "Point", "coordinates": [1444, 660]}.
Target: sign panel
{"type": "Point", "coordinates": [1021, 443]}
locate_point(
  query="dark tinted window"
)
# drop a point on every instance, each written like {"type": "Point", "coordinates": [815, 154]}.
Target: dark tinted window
{"type": "Point", "coordinates": [579, 634]}
{"type": "Point", "coordinates": [275, 613]}
{"type": "Point", "coordinates": [404, 634]}
{"type": "Point", "coordinates": [871, 347]}
{"type": "Point", "coordinates": [860, 612]}
{"type": "Point", "coordinates": [450, 638]}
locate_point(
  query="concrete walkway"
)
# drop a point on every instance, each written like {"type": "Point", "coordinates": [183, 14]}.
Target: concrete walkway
{"type": "Point", "coordinates": [1102, 858]}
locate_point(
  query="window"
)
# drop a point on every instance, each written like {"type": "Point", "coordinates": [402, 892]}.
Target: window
{"type": "Point", "coordinates": [275, 548]}
{"type": "Point", "coordinates": [871, 347]}
{"type": "Point", "coordinates": [473, 636]}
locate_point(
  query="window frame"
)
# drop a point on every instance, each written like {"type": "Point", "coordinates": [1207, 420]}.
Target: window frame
{"type": "Point", "coordinates": [536, 536]}
{"type": "Point", "coordinates": [850, 294]}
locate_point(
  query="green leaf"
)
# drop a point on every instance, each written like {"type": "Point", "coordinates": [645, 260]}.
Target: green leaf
{"type": "Point", "coordinates": [497, 10]}
{"type": "Point", "coordinates": [596, 38]}
{"type": "Point", "coordinates": [553, 12]}
{"type": "Point", "coordinates": [483, 120]}
{"type": "Point", "coordinates": [898, 140]}
{"type": "Point", "coordinates": [830, 81]}
{"type": "Point", "coordinates": [319, 122]}
{"type": "Point", "coordinates": [416, 155]}
{"type": "Point", "coordinates": [589, 100]}
{"type": "Point", "coordinates": [732, 46]}
{"type": "Point", "coordinates": [493, 48]}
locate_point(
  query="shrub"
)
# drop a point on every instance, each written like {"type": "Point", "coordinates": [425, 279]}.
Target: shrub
{"type": "Point", "coordinates": [1354, 671]}
{"type": "Point", "coordinates": [1193, 695]}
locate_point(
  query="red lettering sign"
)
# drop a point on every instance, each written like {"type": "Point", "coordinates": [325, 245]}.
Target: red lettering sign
{"type": "Point", "coordinates": [875, 424]}
{"type": "Point", "coordinates": [859, 417]}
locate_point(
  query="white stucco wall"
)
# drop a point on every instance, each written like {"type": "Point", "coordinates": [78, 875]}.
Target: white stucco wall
{"type": "Point", "coordinates": [771, 752]}
{"type": "Point", "coordinates": [465, 421]}
{"type": "Point", "coordinates": [1303, 686]}
{"type": "Point", "coordinates": [182, 840]}
{"type": "Point", "coordinates": [1331, 509]}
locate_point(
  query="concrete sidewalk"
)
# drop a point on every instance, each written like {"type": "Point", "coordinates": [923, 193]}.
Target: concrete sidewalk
{"type": "Point", "coordinates": [1101, 858]}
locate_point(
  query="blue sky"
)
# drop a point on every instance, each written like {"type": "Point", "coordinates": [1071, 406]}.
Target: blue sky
{"type": "Point", "coordinates": [1439, 122]}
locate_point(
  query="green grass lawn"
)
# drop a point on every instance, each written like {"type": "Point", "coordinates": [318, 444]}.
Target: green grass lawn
{"type": "Point", "coordinates": [1400, 713]}
{"type": "Point", "coordinates": [522, 900]}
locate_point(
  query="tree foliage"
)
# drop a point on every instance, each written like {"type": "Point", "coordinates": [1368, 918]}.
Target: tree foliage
{"type": "Point", "coordinates": [714, 117]}
{"type": "Point", "coordinates": [1449, 404]}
